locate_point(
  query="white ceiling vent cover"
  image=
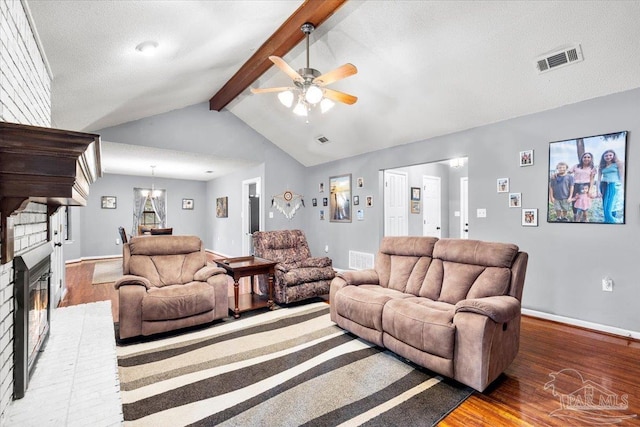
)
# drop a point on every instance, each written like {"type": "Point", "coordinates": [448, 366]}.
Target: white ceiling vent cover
{"type": "Point", "coordinates": [322, 140]}
{"type": "Point", "coordinates": [559, 58]}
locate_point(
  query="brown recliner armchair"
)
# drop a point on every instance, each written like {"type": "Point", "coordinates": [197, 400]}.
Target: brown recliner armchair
{"type": "Point", "coordinates": [298, 275]}
{"type": "Point", "coordinates": [168, 285]}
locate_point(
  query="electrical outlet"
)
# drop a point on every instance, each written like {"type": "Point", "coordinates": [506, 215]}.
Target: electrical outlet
{"type": "Point", "coordinates": [481, 213]}
{"type": "Point", "coordinates": [607, 284]}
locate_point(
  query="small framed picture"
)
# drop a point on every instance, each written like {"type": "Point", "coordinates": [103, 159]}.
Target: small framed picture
{"type": "Point", "coordinates": [529, 217]}
{"type": "Point", "coordinates": [415, 206]}
{"type": "Point", "coordinates": [415, 193]}
{"type": "Point", "coordinates": [515, 200]}
{"type": "Point", "coordinates": [321, 187]}
{"type": "Point", "coordinates": [222, 207]}
{"type": "Point", "coordinates": [360, 214]}
{"type": "Point", "coordinates": [356, 200]}
{"type": "Point", "coordinates": [360, 182]}
{"type": "Point", "coordinates": [526, 158]}
{"type": "Point", "coordinates": [325, 201]}
{"type": "Point", "coordinates": [369, 201]}
{"type": "Point", "coordinates": [503, 185]}
{"type": "Point", "coordinates": [187, 204]}
{"type": "Point", "coordinates": [109, 202]}
{"type": "Point", "coordinates": [321, 214]}
{"type": "Point", "coordinates": [314, 202]}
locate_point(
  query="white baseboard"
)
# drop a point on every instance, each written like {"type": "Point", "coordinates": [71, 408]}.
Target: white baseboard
{"type": "Point", "coordinates": [92, 258]}
{"type": "Point", "coordinates": [582, 323]}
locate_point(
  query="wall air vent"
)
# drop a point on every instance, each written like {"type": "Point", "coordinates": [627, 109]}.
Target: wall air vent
{"type": "Point", "coordinates": [360, 260]}
{"type": "Point", "coordinates": [559, 59]}
{"type": "Point", "coordinates": [322, 140]}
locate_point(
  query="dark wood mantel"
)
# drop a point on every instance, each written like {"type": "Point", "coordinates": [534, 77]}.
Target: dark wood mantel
{"type": "Point", "coordinates": [50, 166]}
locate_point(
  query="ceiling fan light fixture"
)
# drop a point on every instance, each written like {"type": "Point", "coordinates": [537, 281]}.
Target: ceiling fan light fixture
{"type": "Point", "coordinates": [313, 95]}
{"type": "Point", "coordinates": [286, 98]}
{"type": "Point", "coordinates": [300, 109]}
{"type": "Point", "coordinates": [147, 48]}
{"type": "Point", "coordinates": [326, 105]}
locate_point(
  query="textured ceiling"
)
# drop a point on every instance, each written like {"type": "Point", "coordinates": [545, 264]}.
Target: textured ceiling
{"type": "Point", "coordinates": [426, 68]}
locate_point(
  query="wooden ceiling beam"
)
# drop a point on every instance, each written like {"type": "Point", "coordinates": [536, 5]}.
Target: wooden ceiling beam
{"type": "Point", "coordinates": [280, 43]}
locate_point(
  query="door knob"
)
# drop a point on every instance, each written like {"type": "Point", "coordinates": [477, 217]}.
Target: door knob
{"type": "Point", "coordinates": [57, 244]}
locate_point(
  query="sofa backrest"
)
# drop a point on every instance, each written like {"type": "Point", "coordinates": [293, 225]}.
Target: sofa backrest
{"type": "Point", "coordinates": [284, 246]}
{"type": "Point", "coordinates": [464, 269]}
{"type": "Point", "coordinates": [164, 260]}
{"type": "Point", "coordinates": [402, 262]}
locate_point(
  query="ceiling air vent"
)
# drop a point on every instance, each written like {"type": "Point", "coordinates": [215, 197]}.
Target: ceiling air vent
{"type": "Point", "coordinates": [559, 58]}
{"type": "Point", "coordinates": [322, 140]}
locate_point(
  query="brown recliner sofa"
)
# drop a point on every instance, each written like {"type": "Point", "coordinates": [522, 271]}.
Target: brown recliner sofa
{"type": "Point", "coordinates": [449, 305]}
{"type": "Point", "coordinates": [168, 285]}
{"type": "Point", "coordinates": [298, 275]}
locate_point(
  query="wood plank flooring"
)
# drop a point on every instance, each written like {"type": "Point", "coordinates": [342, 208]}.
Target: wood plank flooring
{"type": "Point", "coordinates": [604, 362]}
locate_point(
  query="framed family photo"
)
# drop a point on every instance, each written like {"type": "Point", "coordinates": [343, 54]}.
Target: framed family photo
{"type": "Point", "coordinates": [526, 158]}
{"type": "Point", "coordinates": [586, 179]}
{"type": "Point", "coordinates": [503, 185]}
{"type": "Point", "coordinates": [529, 217]}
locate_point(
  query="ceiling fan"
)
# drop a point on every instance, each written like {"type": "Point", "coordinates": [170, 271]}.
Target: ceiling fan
{"type": "Point", "coordinates": [310, 84]}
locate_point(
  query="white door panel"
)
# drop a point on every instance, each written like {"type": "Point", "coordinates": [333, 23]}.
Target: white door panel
{"type": "Point", "coordinates": [395, 203]}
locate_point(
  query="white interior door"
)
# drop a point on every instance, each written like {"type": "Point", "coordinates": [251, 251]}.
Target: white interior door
{"type": "Point", "coordinates": [251, 189]}
{"type": "Point", "coordinates": [396, 202]}
{"type": "Point", "coordinates": [57, 223]}
{"type": "Point", "coordinates": [464, 207]}
{"type": "Point", "coordinates": [431, 202]}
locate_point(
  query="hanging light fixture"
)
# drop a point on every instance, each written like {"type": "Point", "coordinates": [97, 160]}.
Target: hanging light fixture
{"type": "Point", "coordinates": [309, 84]}
{"type": "Point", "coordinates": [151, 193]}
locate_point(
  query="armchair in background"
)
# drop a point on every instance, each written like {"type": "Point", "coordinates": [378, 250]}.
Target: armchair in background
{"type": "Point", "coordinates": [298, 275]}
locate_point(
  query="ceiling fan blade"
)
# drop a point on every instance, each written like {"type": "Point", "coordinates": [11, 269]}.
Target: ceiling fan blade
{"type": "Point", "coordinates": [286, 68]}
{"type": "Point", "coordinates": [339, 73]}
{"type": "Point", "coordinates": [335, 95]}
{"type": "Point", "coordinates": [269, 89]}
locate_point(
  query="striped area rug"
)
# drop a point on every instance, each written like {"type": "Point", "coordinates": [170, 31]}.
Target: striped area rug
{"type": "Point", "coordinates": [288, 367]}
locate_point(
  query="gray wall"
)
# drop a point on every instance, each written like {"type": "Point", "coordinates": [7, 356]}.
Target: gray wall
{"type": "Point", "coordinates": [95, 230]}
{"type": "Point", "coordinates": [567, 261]}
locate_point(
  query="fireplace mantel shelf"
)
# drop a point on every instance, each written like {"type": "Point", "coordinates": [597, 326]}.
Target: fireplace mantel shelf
{"type": "Point", "coordinates": [49, 166]}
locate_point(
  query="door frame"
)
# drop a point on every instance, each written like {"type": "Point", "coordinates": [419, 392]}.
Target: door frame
{"type": "Point", "coordinates": [245, 237]}
{"type": "Point", "coordinates": [464, 207]}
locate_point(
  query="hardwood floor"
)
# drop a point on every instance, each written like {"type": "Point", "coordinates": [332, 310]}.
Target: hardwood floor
{"type": "Point", "coordinates": [603, 363]}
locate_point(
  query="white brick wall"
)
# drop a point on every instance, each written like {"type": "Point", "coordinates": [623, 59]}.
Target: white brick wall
{"type": "Point", "coordinates": [25, 97]}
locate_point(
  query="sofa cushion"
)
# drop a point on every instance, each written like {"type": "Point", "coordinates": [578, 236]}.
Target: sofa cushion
{"type": "Point", "coordinates": [421, 323]}
{"type": "Point", "coordinates": [363, 304]}
{"type": "Point", "coordinates": [164, 270]}
{"type": "Point", "coordinates": [177, 301]}
{"type": "Point", "coordinates": [488, 254]}
{"type": "Point", "coordinates": [301, 276]}
{"type": "Point", "coordinates": [401, 258]}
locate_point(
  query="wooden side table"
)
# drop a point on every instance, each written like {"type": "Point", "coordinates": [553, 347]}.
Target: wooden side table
{"type": "Point", "coordinates": [244, 267]}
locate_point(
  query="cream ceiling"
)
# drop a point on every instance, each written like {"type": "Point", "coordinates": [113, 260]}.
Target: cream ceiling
{"type": "Point", "coordinates": [426, 68]}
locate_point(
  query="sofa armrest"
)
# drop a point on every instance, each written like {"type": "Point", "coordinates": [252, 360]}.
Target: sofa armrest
{"type": "Point", "coordinates": [130, 279]}
{"type": "Point", "coordinates": [207, 271]}
{"type": "Point", "coordinates": [360, 277]}
{"type": "Point", "coordinates": [500, 309]}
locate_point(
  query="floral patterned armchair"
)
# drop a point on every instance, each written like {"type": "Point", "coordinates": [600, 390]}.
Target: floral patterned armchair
{"type": "Point", "coordinates": [298, 275]}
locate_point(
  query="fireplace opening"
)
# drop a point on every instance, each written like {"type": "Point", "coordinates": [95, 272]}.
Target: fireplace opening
{"type": "Point", "coordinates": [32, 272]}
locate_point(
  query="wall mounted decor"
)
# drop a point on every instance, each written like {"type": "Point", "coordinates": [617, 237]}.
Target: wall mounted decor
{"type": "Point", "coordinates": [415, 193]}
{"type": "Point", "coordinates": [356, 200]}
{"type": "Point", "coordinates": [187, 204]}
{"type": "Point", "coordinates": [222, 207]}
{"type": "Point", "coordinates": [529, 217]}
{"type": "Point", "coordinates": [287, 203]}
{"type": "Point", "coordinates": [369, 200]}
{"type": "Point", "coordinates": [109, 202]}
{"type": "Point", "coordinates": [526, 158]}
{"type": "Point", "coordinates": [321, 187]}
{"type": "Point", "coordinates": [360, 214]}
{"type": "Point", "coordinates": [340, 198]}
{"type": "Point", "coordinates": [360, 182]}
{"type": "Point", "coordinates": [587, 179]}
{"type": "Point", "coordinates": [415, 206]}
{"type": "Point", "coordinates": [325, 201]}
{"type": "Point", "coordinates": [321, 214]}
{"type": "Point", "coordinates": [503, 185]}
{"type": "Point", "coordinates": [314, 202]}
{"type": "Point", "coordinates": [515, 200]}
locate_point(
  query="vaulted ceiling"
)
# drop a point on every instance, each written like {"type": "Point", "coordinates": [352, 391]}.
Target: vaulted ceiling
{"type": "Point", "coordinates": [425, 68]}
